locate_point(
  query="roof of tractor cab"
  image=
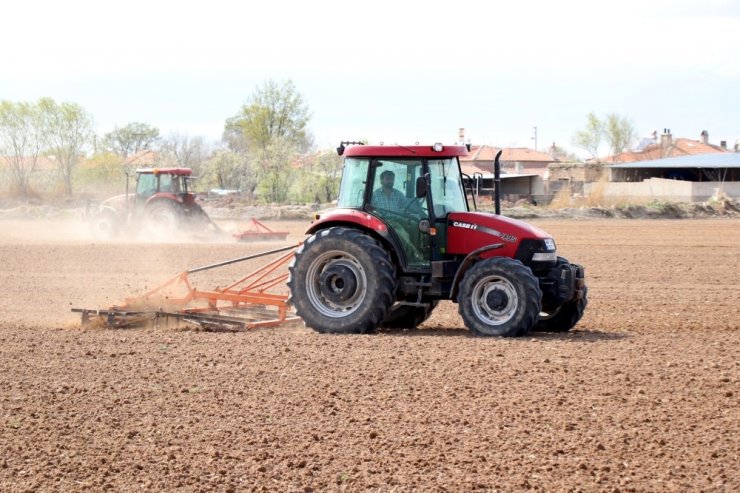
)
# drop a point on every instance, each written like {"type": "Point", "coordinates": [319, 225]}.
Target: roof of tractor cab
{"type": "Point", "coordinates": [165, 171]}
{"type": "Point", "coordinates": [404, 151]}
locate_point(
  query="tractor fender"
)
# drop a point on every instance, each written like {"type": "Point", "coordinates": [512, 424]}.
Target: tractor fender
{"type": "Point", "coordinates": [166, 196]}
{"type": "Point", "coordinates": [467, 263]}
{"type": "Point", "coordinates": [362, 221]}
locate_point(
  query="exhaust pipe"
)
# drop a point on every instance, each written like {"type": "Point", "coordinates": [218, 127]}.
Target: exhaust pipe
{"type": "Point", "coordinates": [497, 183]}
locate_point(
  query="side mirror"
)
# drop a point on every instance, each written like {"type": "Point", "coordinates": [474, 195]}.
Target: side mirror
{"type": "Point", "coordinates": [421, 187]}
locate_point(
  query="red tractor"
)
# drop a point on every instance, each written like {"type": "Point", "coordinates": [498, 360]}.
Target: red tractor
{"type": "Point", "coordinates": [161, 205]}
{"type": "Point", "coordinates": [405, 235]}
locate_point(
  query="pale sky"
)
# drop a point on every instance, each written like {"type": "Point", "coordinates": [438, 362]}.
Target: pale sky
{"type": "Point", "coordinates": [391, 71]}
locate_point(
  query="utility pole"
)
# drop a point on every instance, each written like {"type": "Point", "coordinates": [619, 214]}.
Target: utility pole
{"type": "Point", "coordinates": [535, 138]}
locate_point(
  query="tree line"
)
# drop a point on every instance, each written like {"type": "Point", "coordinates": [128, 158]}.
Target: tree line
{"type": "Point", "coordinates": [266, 151]}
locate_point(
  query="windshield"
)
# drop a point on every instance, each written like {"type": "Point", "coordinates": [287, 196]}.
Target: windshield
{"type": "Point", "coordinates": [447, 187]}
{"type": "Point", "coordinates": [352, 189]}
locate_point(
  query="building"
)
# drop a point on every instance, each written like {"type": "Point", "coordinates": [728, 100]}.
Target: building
{"type": "Point", "coordinates": [668, 147]}
{"type": "Point", "coordinates": [523, 171]}
{"type": "Point", "coordinates": [689, 178]}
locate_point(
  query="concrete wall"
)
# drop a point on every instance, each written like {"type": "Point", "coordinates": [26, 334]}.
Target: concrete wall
{"type": "Point", "coordinates": [662, 189]}
{"type": "Point", "coordinates": [523, 186]}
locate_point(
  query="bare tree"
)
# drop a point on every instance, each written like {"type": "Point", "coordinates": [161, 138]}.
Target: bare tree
{"type": "Point", "coordinates": [589, 139]}
{"type": "Point", "coordinates": [185, 151]}
{"type": "Point", "coordinates": [67, 129]}
{"type": "Point", "coordinates": [21, 141]}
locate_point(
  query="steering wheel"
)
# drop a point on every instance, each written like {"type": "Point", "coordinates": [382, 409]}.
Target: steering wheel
{"type": "Point", "coordinates": [415, 207]}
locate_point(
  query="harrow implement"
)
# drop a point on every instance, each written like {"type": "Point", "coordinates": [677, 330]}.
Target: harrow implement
{"type": "Point", "coordinates": [243, 305]}
{"type": "Point", "coordinates": [257, 231]}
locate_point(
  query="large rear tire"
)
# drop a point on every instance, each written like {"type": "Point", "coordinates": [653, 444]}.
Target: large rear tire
{"type": "Point", "coordinates": [565, 317]}
{"type": "Point", "coordinates": [342, 281]}
{"type": "Point", "coordinates": [408, 317]}
{"type": "Point", "coordinates": [499, 297]}
{"type": "Point", "coordinates": [162, 220]}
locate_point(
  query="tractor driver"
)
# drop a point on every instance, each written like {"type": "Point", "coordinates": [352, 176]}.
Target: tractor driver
{"type": "Point", "coordinates": [388, 198]}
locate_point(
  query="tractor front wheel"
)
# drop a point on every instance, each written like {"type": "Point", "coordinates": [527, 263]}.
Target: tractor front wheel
{"type": "Point", "coordinates": [105, 225]}
{"type": "Point", "coordinates": [341, 281]}
{"type": "Point", "coordinates": [565, 317]}
{"type": "Point", "coordinates": [499, 297]}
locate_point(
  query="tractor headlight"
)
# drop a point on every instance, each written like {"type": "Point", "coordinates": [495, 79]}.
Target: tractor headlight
{"type": "Point", "coordinates": [546, 254]}
{"type": "Point", "coordinates": [438, 147]}
{"type": "Point", "coordinates": [545, 257]}
{"type": "Point", "coordinates": [539, 254]}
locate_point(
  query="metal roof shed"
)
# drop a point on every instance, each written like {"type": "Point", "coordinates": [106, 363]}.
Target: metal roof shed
{"type": "Point", "coordinates": [720, 167]}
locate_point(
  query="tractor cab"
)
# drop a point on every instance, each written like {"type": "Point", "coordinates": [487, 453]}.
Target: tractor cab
{"type": "Point", "coordinates": [167, 183]}
{"type": "Point", "coordinates": [412, 191]}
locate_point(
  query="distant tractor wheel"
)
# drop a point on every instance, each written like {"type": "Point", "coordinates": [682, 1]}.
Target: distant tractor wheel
{"type": "Point", "coordinates": [104, 226]}
{"type": "Point", "coordinates": [499, 297]}
{"type": "Point", "coordinates": [162, 220]}
{"type": "Point", "coordinates": [341, 281]}
{"type": "Point", "coordinates": [408, 317]}
{"type": "Point", "coordinates": [563, 318]}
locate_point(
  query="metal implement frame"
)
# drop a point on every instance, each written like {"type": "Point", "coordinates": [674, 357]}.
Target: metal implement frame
{"type": "Point", "coordinates": [244, 304]}
{"type": "Point", "coordinates": [258, 231]}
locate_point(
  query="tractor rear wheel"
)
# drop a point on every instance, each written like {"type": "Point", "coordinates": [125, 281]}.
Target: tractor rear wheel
{"type": "Point", "coordinates": [342, 281]}
{"type": "Point", "coordinates": [162, 220]}
{"type": "Point", "coordinates": [499, 297]}
{"type": "Point", "coordinates": [408, 317]}
{"type": "Point", "coordinates": [565, 317]}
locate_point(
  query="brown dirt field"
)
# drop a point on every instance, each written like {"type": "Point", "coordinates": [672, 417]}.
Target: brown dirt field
{"type": "Point", "coordinates": [642, 396]}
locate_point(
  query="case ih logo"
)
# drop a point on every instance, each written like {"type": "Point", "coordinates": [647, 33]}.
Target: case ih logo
{"type": "Point", "coordinates": [458, 224]}
{"type": "Point", "coordinates": [483, 229]}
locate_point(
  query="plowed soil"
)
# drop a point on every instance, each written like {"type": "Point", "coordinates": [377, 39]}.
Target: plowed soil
{"type": "Point", "coordinates": [641, 396]}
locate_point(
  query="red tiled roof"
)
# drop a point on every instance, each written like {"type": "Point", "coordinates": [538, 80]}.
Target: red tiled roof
{"type": "Point", "coordinates": [42, 162]}
{"type": "Point", "coordinates": [678, 147]}
{"type": "Point", "coordinates": [518, 154]}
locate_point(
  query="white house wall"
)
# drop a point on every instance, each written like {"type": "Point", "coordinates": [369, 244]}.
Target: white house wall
{"type": "Point", "coordinates": [662, 189]}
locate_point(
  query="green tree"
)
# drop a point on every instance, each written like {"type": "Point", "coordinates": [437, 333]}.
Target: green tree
{"type": "Point", "coordinates": [21, 141]}
{"type": "Point", "coordinates": [271, 131]}
{"type": "Point", "coordinates": [230, 170]}
{"type": "Point", "coordinates": [275, 171]}
{"type": "Point", "coordinates": [590, 137]}
{"type": "Point", "coordinates": [67, 130]}
{"type": "Point", "coordinates": [619, 133]}
{"type": "Point", "coordinates": [134, 137]}
{"type": "Point", "coordinates": [274, 113]}
{"type": "Point", "coordinates": [319, 178]}
{"type": "Point", "coordinates": [104, 171]}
